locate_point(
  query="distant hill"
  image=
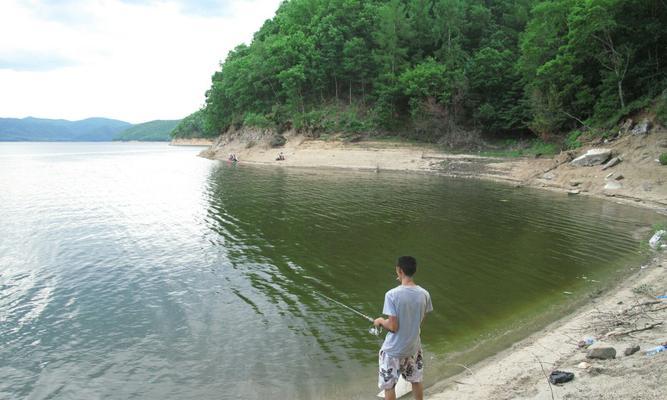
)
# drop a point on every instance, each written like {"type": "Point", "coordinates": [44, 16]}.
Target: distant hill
{"type": "Point", "coordinates": [151, 131]}
{"type": "Point", "coordinates": [40, 129]}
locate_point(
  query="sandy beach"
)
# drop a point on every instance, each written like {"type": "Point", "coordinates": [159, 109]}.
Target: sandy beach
{"type": "Point", "coordinates": [629, 314]}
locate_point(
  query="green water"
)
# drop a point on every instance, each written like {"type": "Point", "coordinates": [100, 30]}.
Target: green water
{"type": "Point", "coordinates": [133, 270]}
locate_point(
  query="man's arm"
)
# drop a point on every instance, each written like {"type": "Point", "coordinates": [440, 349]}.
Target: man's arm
{"type": "Point", "coordinates": [390, 324]}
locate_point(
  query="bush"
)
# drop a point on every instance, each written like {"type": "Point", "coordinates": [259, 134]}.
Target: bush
{"type": "Point", "coordinates": [572, 141]}
{"type": "Point", "coordinates": [663, 159]}
{"type": "Point", "coordinates": [256, 120]}
{"type": "Point", "coordinates": [277, 141]}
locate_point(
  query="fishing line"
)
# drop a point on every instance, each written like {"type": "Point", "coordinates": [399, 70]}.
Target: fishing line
{"type": "Point", "coordinates": [373, 330]}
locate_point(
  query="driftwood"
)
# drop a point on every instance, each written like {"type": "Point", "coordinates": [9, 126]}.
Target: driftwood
{"type": "Point", "coordinates": [621, 333]}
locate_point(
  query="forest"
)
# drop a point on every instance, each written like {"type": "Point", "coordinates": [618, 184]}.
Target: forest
{"type": "Point", "coordinates": [435, 70]}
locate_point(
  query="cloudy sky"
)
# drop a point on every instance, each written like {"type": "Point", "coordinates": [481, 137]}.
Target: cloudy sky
{"type": "Point", "coordinates": [135, 60]}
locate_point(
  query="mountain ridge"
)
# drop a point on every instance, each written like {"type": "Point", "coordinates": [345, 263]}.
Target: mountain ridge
{"type": "Point", "coordinates": [30, 128]}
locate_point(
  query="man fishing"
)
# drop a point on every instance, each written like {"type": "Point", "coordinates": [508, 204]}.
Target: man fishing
{"type": "Point", "coordinates": [401, 353]}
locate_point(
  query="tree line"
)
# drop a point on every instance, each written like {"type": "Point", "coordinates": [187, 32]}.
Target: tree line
{"type": "Point", "coordinates": [431, 68]}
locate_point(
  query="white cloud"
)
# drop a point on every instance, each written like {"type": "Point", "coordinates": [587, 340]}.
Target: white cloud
{"type": "Point", "coordinates": [135, 60]}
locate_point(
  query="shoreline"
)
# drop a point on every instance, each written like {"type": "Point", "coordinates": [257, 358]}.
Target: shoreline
{"type": "Point", "coordinates": [519, 370]}
{"type": "Point", "coordinates": [191, 142]}
{"type": "Point", "coordinates": [638, 180]}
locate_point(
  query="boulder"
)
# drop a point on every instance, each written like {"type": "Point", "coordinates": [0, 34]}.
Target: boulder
{"type": "Point", "coordinates": [656, 239]}
{"type": "Point", "coordinates": [601, 353]}
{"type": "Point", "coordinates": [592, 157]}
{"type": "Point", "coordinates": [619, 177]}
{"type": "Point", "coordinates": [642, 128]}
{"type": "Point", "coordinates": [549, 176]}
{"type": "Point", "coordinates": [611, 163]}
{"type": "Point", "coordinates": [631, 350]}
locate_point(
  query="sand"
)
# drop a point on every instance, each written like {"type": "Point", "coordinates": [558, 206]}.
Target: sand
{"type": "Point", "coordinates": [519, 372]}
{"type": "Point", "coordinates": [191, 142]}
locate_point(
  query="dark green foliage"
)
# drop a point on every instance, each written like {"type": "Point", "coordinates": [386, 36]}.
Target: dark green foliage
{"type": "Point", "coordinates": [663, 159]}
{"type": "Point", "coordinates": [152, 131]}
{"type": "Point", "coordinates": [572, 141]}
{"type": "Point", "coordinates": [39, 129]}
{"type": "Point", "coordinates": [661, 109]}
{"type": "Point", "coordinates": [256, 120]}
{"type": "Point", "coordinates": [195, 125]}
{"type": "Point", "coordinates": [427, 68]}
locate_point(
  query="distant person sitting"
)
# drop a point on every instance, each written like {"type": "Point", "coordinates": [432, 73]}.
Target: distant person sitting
{"type": "Point", "coordinates": [280, 157]}
{"type": "Point", "coordinates": [232, 158]}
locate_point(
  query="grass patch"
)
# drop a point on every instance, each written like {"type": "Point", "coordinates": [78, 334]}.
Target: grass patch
{"type": "Point", "coordinates": [572, 141]}
{"type": "Point", "coordinates": [514, 149]}
{"type": "Point", "coordinates": [644, 289]}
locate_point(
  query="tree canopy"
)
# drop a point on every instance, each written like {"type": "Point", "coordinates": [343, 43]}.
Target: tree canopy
{"type": "Point", "coordinates": [496, 66]}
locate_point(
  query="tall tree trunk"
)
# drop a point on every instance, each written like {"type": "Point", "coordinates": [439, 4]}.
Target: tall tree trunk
{"type": "Point", "coordinates": [363, 92]}
{"type": "Point", "coordinates": [350, 92]}
{"type": "Point", "coordinates": [620, 93]}
{"type": "Point", "coordinates": [336, 84]}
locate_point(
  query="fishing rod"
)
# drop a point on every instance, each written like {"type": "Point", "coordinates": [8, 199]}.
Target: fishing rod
{"type": "Point", "coordinates": [373, 330]}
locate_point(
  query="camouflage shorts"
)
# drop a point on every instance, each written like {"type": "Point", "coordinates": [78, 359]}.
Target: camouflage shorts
{"type": "Point", "coordinates": [412, 369]}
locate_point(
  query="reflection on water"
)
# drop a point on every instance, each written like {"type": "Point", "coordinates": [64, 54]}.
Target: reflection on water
{"type": "Point", "coordinates": [142, 271]}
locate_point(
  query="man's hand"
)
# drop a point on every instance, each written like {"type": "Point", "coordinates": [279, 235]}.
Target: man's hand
{"type": "Point", "coordinates": [390, 324]}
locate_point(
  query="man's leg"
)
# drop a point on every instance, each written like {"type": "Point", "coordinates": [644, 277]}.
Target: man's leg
{"type": "Point", "coordinates": [390, 394]}
{"type": "Point", "coordinates": [417, 391]}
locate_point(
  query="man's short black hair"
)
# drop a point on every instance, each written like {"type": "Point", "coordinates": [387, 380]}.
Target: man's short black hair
{"type": "Point", "coordinates": [407, 264]}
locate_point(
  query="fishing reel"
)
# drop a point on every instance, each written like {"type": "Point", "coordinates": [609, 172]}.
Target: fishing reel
{"type": "Point", "coordinates": [375, 330]}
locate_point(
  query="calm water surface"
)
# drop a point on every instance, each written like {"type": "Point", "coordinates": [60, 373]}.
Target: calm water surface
{"type": "Point", "coordinates": [142, 271]}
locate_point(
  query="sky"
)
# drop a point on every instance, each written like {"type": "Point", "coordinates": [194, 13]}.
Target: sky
{"type": "Point", "coordinates": [133, 60]}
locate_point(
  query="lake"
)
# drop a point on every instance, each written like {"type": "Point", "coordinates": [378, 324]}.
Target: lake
{"type": "Point", "coordinates": [131, 270]}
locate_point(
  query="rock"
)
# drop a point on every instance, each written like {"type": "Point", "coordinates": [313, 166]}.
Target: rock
{"type": "Point", "coordinates": [549, 176]}
{"type": "Point", "coordinates": [609, 176]}
{"type": "Point", "coordinates": [631, 350]}
{"type": "Point", "coordinates": [583, 365]}
{"type": "Point", "coordinates": [601, 353]}
{"type": "Point", "coordinates": [642, 128]}
{"type": "Point", "coordinates": [575, 183]}
{"type": "Point", "coordinates": [592, 157]}
{"type": "Point", "coordinates": [627, 125]}
{"type": "Point", "coordinates": [573, 192]}
{"type": "Point", "coordinates": [613, 185]}
{"type": "Point", "coordinates": [656, 239]}
{"type": "Point", "coordinates": [564, 157]}
{"type": "Point", "coordinates": [619, 177]}
{"type": "Point", "coordinates": [613, 162]}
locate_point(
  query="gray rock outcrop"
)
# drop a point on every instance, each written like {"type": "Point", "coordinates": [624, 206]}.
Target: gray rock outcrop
{"type": "Point", "coordinates": [592, 157]}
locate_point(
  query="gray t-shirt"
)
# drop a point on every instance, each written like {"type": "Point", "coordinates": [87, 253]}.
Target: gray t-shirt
{"type": "Point", "coordinates": [408, 304]}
